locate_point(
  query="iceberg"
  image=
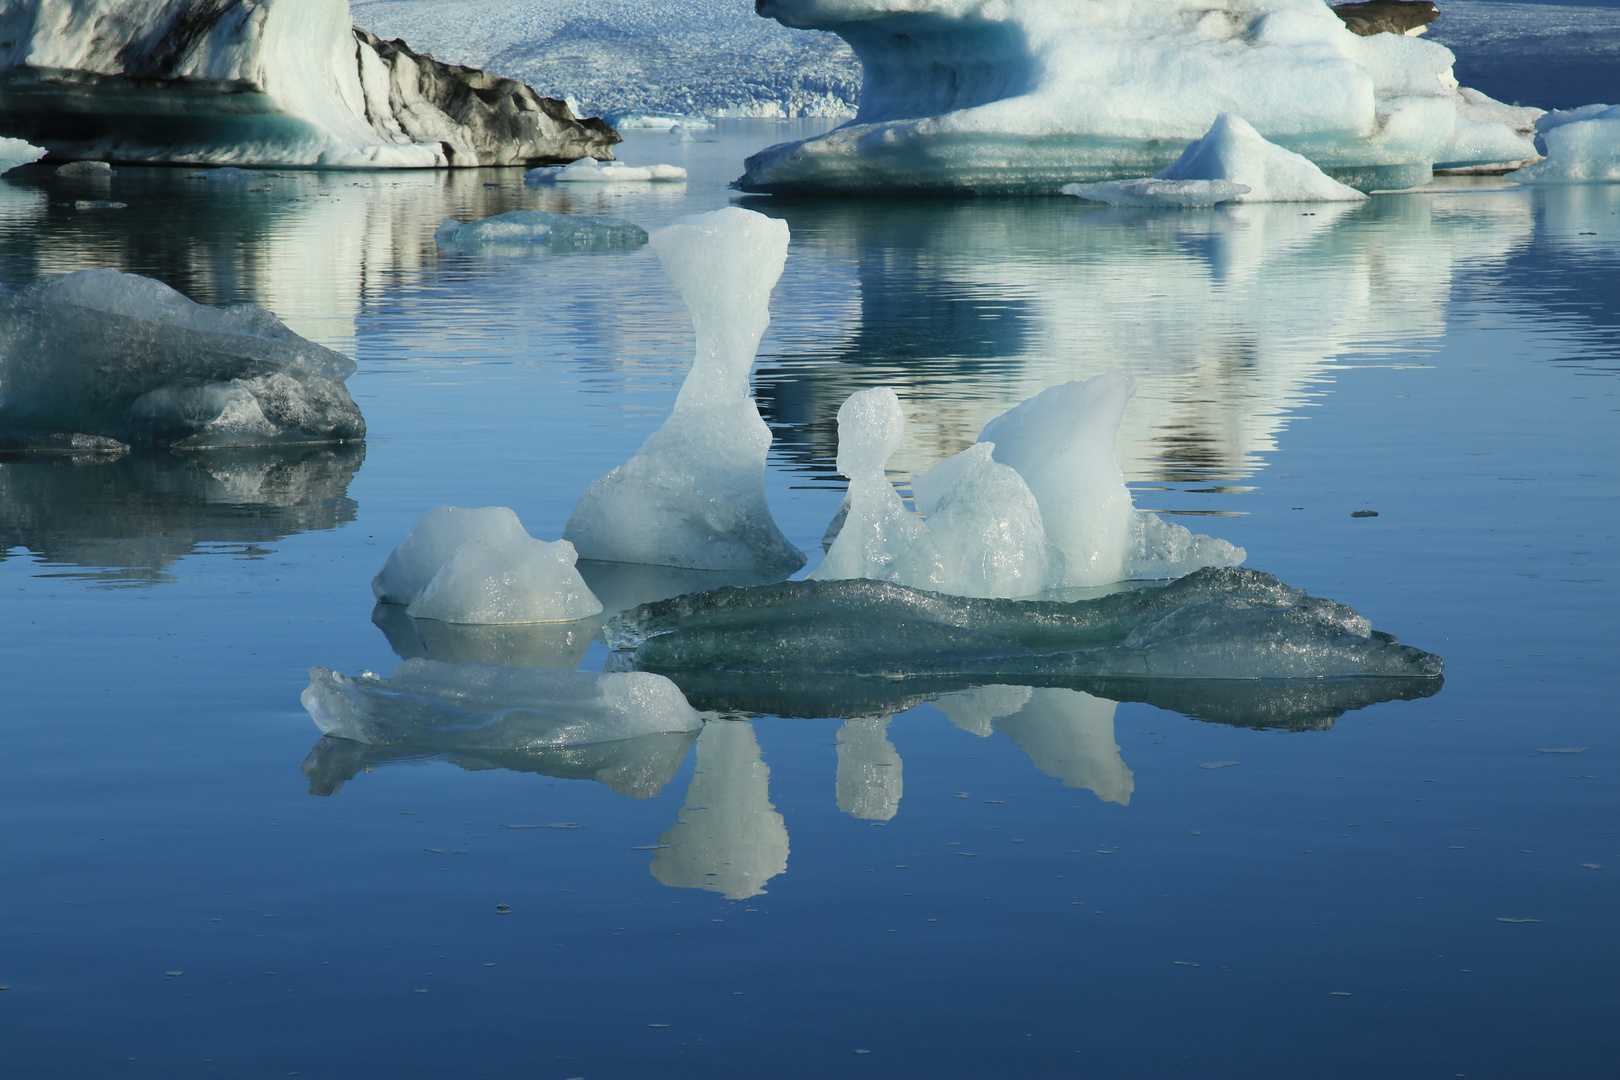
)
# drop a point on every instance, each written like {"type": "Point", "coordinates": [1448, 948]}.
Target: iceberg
{"type": "Point", "coordinates": [642, 120]}
{"type": "Point", "coordinates": [520, 230]}
{"type": "Point", "coordinates": [589, 171]}
{"type": "Point", "coordinates": [15, 152]}
{"type": "Point", "coordinates": [693, 496]}
{"type": "Point", "coordinates": [99, 352]}
{"type": "Point", "coordinates": [1582, 146]}
{"type": "Point", "coordinates": [262, 82]}
{"type": "Point", "coordinates": [481, 567]}
{"type": "Point", "coordinates": [1231, 157]}
{"type": "Point", "coordinates": [481, 707]}
{"type": "Point", "coordinates": [1215, 623]}
{"type": "Point", "coordinates": [1022, 96]}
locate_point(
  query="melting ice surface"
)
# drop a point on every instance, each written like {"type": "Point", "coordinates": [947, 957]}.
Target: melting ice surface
{"type": "Point", "coordinates": [693, 496]}
{"type": "Point", "coordinates": [524, 229]}
{"type": "Point", "coordinates": [1582, 146]}
{"type": "Point", "coordinates": [102, 353]}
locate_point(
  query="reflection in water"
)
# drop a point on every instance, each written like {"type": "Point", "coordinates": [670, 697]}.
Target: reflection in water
{"type": "Point", "coordinates": [554, 646]}
{"type": "Point", "coordinates": [869, 782]}
{"type": "Point", "coordinates": [729, 838]}
{"type": "Point", "coordinates": [1068, 734]}
{"type": "Point", "coordinates": [124, 519]}
{"type": "Point", "coordinates": [638, 767]}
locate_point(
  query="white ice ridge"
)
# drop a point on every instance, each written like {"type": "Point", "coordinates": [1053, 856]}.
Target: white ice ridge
{"type": "Point", "coordinates": [640, 120]}
{"type": "Point", "coordinates": [527, 229]}
{"type": "Point", "coordinates": [1025, 95]}
{"type": "Point", "coordinates": [100, 352]}
{"type": "Point", "coordinates": [591, 171]}
{"type": "Point", "coordinates": [482, 567]}
{"type": "Point", "coordinates": [693, 496]}
{"type": "Point", "coordinates": [1231, 163]}
{"type": "Point", "coordinates": [1038, 502]}
{"type": "Point", "coordinates": [15, 152]}
{"type": "Point", "coordinates": [428, 704]}
{"type": "Point", "coordinates": [1582, 146]}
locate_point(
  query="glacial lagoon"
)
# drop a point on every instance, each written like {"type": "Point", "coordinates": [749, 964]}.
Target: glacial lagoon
{"type": "Point", "coordinates": [1409, 406]}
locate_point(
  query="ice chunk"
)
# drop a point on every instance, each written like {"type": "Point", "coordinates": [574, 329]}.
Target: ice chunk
{"type": "Point", "coordinates": [85, 168]}
{"type": "Point", "coordinates": [641, 120]}
{"type": "Point", "coordinates": [1153, 191]}
{"type": "Point", "coordinates": [482, 566]}
{"type": "Point", "coordinates": [988, 526]}
{"type": "Point", "coordinates": [482, 707]}
{"type": "Point", "coordinates": [591, 171]}
{"type": "Point", "coordinates": [869, 782]}
{"type": "Point", "coordinates": [1216, 623]}
{"type": "Point", "coordinates": [15, 152]}
{"type": "Point", "coordinates": [693, 496]}
{"type": "Point", "coordinates": [1582, 146]}
{"type": "Point", "coordinates": [730, 839]}
{"type": "Point", "coordinates": [522, 229]}
{"type": "Point", "coordinates": [127, 357]}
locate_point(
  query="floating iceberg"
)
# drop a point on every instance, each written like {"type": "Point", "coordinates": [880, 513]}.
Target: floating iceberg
{"type": "Point", "coordinates": [482, 707]}
{"type": "Point", "coordinates": [526, 229]}
{"type": "Point", "coordinates": [1216, 623]}
{"type": "Point", "coordinates": [1582, 146]}
{"type": "Point", "coordinates": [105, 353]}
{"type": "Point", "coordinates": [15, 152]}
{"type": "Point", "coordinates": [693, 496]}
{"type": "Point", "coordinates": [589, 171]}
{"type": "Point", "coordinates": [1014, 96]}
{"type": "Point", "coordinates": [1231, 157]}
{"type": "Point", "coordinates": [481, 566]}
{"type": "Point", "coordinates": [289, 82]}
{"type": "Point", "coordinates": [640, 120]}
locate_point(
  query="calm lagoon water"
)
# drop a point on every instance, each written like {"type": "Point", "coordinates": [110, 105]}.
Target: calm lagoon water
{"type": "Point", "coordinates": [999, 884]}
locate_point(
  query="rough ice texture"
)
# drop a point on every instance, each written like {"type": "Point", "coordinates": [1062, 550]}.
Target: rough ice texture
{"type": "Point", "coordinates": [482, 567]}
{"type": "Point", "coordinates": [123, 356]}
{"type": "Point", "coordinates": [1232, 152]}
{"type": "Point", "coordinates": [589, 171]}
{"type": "Point", "coordinates": [15, 152]}
{"type": "Point", "coordinates": [693, 496]}
{"type": "Point", "coordinates": [1152, 191]}
{"type": "Point", "coordinates": [524, 230]}
{"type": "Point", "coordinates": [1582, 146]}
{"type": "Point", "coordinates": [483, 707]}
{"type": "Point", "coordinates": [1026, 95]}
{"type": "Point", "coordinates": [262, 82]}
{"type": "Point", "coordinates": [1216, 623]}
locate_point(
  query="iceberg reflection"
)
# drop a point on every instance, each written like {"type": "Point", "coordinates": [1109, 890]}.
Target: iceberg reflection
{"type": "Point", "coordinates": [869, 783]}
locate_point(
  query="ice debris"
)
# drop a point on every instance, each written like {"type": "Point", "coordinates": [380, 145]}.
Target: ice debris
{"type": "Point", "coordinates": [425, 703]}
{"type": "Point", "coordinates": [1582, 146]}
{"type": "Point", "coordinates": [591, 171]}
{"type": "Point", "coordinates": [482, 566]}
{"type": "Point", "coordinates": [228, 174]}
{"type": "Point", "coordinates": [1231, 157]}
{"type": "Point", "coordinates": [85, 168]}
{"type": "Point", "coordinates": [15, 152]}
{"type": "Point", "coordinates": [1215, 623]}
{"type": "Point", "coordinates": [525, 229]}
{"type": "Point", "coordinates": [104, 353]}
{"type": "Point", "coordinates": [693, 496]}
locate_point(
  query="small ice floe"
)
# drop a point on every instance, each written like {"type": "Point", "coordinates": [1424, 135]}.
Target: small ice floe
{"type": "Point", "coordinates": [591, 171]}
{"type": "Point", "coordinates": [1564, 750]}
{"type": "Point", "coordinates": [1219, 764]}
{"type": "Point", "coordinates": [1231, 163]}
{"type": "Point", "coordinates": [228, 174]}
{"type": "Point", "coordinates": [641, 120]}
{"type": "Point", "coordinates": [15, 152]}
{"type": "Point", "coordinates": [1581, 146]}
{"type": "Point", "coordinates": [525, 230]}
{"type": "Point", "coordinates": [482, 566]}
{"type": "Point", "coordinates": [84, 168]}
{"type": "Point", "coordinates": [99, 204]}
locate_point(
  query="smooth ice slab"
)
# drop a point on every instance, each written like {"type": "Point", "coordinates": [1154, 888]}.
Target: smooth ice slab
{"type": "Point", "coordinates": [520, 230]}
{"type": "Point", "coordinates": [590, 171]}
{"type": "Point", "coordinates": [1582, 146]}
{"type": "Point", "coordinates": [1216, 623]}
{"type": "Point", "coordinates": [105, 353]}
{"type": "Point", "coordinates": [425, 703]}
{"type": "Point", "coordinates": [693, 496]}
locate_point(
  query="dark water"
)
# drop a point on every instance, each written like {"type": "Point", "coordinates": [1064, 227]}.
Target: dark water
{"type": "Point", "coordinates": [996, 883]}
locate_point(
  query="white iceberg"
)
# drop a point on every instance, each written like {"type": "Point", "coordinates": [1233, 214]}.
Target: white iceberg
{"type": "Point", "coordinates": [693, 496]}
{"type": "Point", "coordinates": [643, 120]}
{"type": "Point", "coordinates": [482, 567]}
{"type": "Point", "coordinates": [425, 703]}
{"type": "Point", "coordinates": [1231, 157]}
{"type": "Point", "coordinates": [1582, 146]}
{"type": "Point", "coordinates": [100, 352]}
{"type": "Point", "coordinates": [590, 171]}
{"type": "Point", "coordinates": [1018, 96]}
{"type": "Point", "coordinates": [15, 152]}
{"type": "Point", "coordinates": [521, 229]}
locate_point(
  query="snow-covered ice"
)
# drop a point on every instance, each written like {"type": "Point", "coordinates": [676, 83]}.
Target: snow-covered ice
{"type": "Point", "coordinates": [15, 152]}
{"type": "Point", "coordinates": [693, 496]}
{"type": "Point", "coordinates": [518, 230]}
{"type": "Point", "coordinates": [590, 171]}
{"type": "Point", "coordinates": [100, 352]}
{"type": "Point", "coordinates": [481, 566]}
{"type": "Point", "coordinates": [1582, 146]}
{"type": "Point", "coordinates": [425, 703]}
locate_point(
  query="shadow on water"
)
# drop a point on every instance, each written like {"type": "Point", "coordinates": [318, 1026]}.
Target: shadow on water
{"type": "Point", "coordinates": [123, 519]}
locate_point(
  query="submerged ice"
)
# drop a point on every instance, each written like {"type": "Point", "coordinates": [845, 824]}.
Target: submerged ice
{"type": "Point", "coordinates": [100, 352]}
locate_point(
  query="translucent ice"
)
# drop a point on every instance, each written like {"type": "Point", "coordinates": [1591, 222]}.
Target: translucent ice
{"type": "Point", "coordinates": [481, 566]}
{"type": "Point", "coordinates": [1582, 146]}
{"type": "Point", "coordinates": [523, 229]}
{"type": "Point", "coordinates": [106, 353]}
{"type": "Point", "coordinates": [591, 171]}
{"type": "Point", "coordinates": [482, 707]}
{"type": "Point", "coordinates": [1152, 191]}
{"type": "Point", "coordinates": [693, 496]}
{"type": "Point", "coordinates": [15, 152]}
